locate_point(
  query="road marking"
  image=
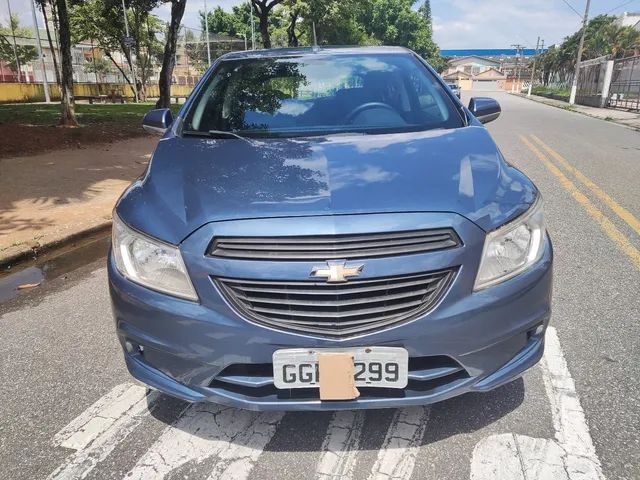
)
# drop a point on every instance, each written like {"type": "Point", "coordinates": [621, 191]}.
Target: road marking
{"type": "Point", "coordinates": [401, 445]}
{"type": "Point", "coordinates": [230, 439]}
{"type": "Point", "coordinates": [99, 429]}
{"type": "Point", "coordinates": [340, 446]}
{"type": "Point", "coordinates": [607, 225]}
{"type": "Point", "coordinates": [570, 456]}
{"type": "Point", "coordinates": [618, 209]}
{"type": "Point", "coordinates": [99, 416]}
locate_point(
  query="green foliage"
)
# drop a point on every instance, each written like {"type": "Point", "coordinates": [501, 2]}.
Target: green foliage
{"type": "Point", "coordinates": [127, 114]}
{"type": "Point", "coordinates": [339, 22]}
{"type": "Point", "coordinates": [102, 21]}
{"type": "Point", "coordinates": [25, 53]}
{"type": "Point", "coordinates": [603, 37]}
{"type": "Point", "coordinates": [98, 65]}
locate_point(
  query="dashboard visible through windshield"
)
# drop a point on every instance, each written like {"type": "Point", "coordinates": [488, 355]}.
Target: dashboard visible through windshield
{"type": "Point", "coordinates": [321, 94]}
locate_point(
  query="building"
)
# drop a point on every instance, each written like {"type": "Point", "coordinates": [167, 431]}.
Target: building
{"type": "Point", "coordinates": [629, 19]}
{"type": "Point", "coordinates": [475, 72]}
{"type": "Point", "coordinates": [471, 65]}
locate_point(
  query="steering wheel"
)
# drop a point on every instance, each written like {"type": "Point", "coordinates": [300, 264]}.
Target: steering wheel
{"type": "Point", "coordinates": [364, 107]}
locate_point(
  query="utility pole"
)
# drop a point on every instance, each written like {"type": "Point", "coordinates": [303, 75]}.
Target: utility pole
{"type": "Point", "coordinates": [574, 83]}
{"type": "Point", "coordinates": [45, 84]}
{"type": "Point", "coordinates": [518, 48]}
{"type": "Point", "coordinates": [206, 32]}
{"type": "Point", "coordinates": [533, 69]}
{"type": "Point", "coordinates": [253, 27]}
{"type": "Point", "coordinates": [13, 34]}
{"type": "Point", "coordinates": [128, 40]}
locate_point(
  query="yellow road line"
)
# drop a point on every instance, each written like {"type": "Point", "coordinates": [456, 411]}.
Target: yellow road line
{"type": "Point", "coordinates": [618, 209]}
{"type": "Point", "coordinates": [607, 225]}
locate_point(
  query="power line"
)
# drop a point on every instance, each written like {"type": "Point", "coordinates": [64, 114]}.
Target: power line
{"type": "Point", "coordinates": [571, 7]}
{"type": "Point", "coordinates": [620, 6]}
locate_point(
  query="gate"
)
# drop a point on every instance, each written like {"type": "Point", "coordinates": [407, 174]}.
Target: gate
{"type": "Point", "coordinates": [591, 80]}
{"type": "Point", "coordinates": [625, 84]}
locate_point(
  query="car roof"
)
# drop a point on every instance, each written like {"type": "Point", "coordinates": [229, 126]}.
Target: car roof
{"type": "Point", "coordinates": [329, 50]}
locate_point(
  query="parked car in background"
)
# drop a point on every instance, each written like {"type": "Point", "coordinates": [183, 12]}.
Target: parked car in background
{"type": "Point", "coordinates": [328, 228]}
{"type": "Point", "coordinates": [455, 89]}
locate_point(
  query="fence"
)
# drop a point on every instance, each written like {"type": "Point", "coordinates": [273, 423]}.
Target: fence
{"type": "Point", "coordinates": [91, 65]}
{"type": "Point", "coordinates": [34, 92]}
{"type": "Point", "coordinates": [593, 81]}
{"type": "Point", "coordinates": [625, 84]}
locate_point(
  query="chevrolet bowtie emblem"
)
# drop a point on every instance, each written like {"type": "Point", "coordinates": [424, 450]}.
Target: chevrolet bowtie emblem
{"type": "Point", "coordinates": [336, 271]}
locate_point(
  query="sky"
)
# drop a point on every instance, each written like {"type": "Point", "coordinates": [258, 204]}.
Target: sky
{"type": "Point", "coordinates": [456, 23]}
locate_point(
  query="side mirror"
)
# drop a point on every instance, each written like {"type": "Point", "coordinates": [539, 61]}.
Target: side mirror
{"type": "Point", "coordinates": [484, 109]}
{"type": "Point", "coordinates": [157, 121]}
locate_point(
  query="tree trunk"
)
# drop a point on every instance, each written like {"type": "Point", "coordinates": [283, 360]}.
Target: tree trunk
{"type": "Point", "coordinates": [68, 117]}
{"type": "Point", "coordinates": [263, 16]}
{"type": "Point", "coordinates": [53, 52]}
{"type": "Point", "coordinates": [169, 57]}
{"type": "Point", "coordinates": [292, 37]}
{"type": "Point", "coordinates": [113, 60]}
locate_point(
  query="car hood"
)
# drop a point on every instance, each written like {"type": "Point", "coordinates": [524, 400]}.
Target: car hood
{"type": "Point", "coordinates": [193, 181]}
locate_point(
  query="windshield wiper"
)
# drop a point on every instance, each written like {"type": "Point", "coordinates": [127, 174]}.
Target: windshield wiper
{"type": "Point", "coordinates": [215, 134]}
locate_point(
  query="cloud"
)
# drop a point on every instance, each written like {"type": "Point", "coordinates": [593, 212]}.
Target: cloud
{"type": "Point", "coordinates": [500, 23]}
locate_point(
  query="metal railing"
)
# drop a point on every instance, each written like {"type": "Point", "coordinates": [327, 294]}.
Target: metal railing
{"type": "Point", "coordinates": [624, 91]}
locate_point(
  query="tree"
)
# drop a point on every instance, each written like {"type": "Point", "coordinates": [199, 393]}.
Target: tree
{"type": "Point", "coordinates": [68, 117]}
{"type": "Point", "coordinates": [394, 22]}
{"type": "Point", "coordinates": [9, 49]}
{"type": "Point", "coordinates": [168, 59]}
{"type": "Point", "coordinates": [602, 37]}
{"type": "Point", "coordinates": [98, 65]}
{"type": "Point", "coordinates": [262, 9]}
{"type": "Point", "coordinates": [425, 12]}
{"type": "Point", "coordinates": [102, 21]}
{"type": "Point", "coordinates": [43, 6]}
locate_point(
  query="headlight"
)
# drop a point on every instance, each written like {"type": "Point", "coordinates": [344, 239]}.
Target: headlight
{"type": "Point", "coordinates": [150, 262]}
{"type": "Point", "coordinates": [512, 248]}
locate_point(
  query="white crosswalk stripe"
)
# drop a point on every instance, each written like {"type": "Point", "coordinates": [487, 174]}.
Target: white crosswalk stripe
{"type": "Point", "coordinates": [98, 430]}
{"type": "Point", "coordinates": [231, 437]}
{"type": "Point", "coordinates": [215, 442]}
{"type": "Point", "coordinates": [397, 457]}
{"type": "Point", "coordinates": [340, 447]}
{"type": "Point", "coordinates": [570, 456]}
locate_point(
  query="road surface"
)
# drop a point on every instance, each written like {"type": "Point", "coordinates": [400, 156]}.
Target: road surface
{"type": "Point", "coordinates": [68, 408]}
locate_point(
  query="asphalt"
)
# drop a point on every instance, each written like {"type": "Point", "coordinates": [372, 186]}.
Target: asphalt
{"type": "Point", "coordinates": [59, 355]}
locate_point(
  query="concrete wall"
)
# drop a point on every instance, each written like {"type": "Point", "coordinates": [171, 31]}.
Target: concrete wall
{"type": "Point", "coordinates": [34, 92]}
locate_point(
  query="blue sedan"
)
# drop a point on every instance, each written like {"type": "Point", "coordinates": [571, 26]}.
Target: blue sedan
{"type": "Point", "coordinates": [324, 229]}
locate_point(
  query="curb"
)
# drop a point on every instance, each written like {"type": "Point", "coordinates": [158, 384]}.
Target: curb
{"type": "Point", "coordinates": [562, 107]}
{"type": "Point", "coordinates": [22, 253]}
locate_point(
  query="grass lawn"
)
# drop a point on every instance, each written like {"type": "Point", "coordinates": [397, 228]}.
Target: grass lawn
{"type": "Point", "coordinates": [96, 114]}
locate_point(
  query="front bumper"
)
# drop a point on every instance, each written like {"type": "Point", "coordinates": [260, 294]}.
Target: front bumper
{"type": "Point", "coordinates": [494, 335]}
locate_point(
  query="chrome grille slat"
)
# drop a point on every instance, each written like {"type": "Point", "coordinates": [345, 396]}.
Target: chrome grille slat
{"type": "Point", "coordinates": [324, 247]}
{"type": "Point", "coordinates": [331, 303]}
{"type": "Point", "coordinates": [341, 314]}
{"type": "Point", "coordinates": [304, 247]}
{"type": "Point", "coordinates": [337, 310]}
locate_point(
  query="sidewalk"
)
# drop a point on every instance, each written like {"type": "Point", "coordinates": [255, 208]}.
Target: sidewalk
{"type": "Point", "coordinates": [628, 119]}
{"type": "Point", "coordinates": [49, 199]}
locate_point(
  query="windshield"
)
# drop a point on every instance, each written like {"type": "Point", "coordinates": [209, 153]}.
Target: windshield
{"type": "Point", "coordinates": [321, 94]}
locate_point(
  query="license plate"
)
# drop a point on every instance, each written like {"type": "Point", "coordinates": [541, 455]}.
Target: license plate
{"type": "Point", "coordinates": [373, 367]}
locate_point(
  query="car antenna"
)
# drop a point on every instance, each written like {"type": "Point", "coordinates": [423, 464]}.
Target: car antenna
{"type": "Point", "coordinates": [315, 39]}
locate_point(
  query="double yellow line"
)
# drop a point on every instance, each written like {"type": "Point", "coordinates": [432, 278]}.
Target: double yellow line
{"type": "Point", "coordinates": [535, 145]}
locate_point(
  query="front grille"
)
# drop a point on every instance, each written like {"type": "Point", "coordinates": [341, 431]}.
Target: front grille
{"type": "Point", "coordinates": [326, 247]}
{"type": "Point", "coordinates": [336, 310]}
